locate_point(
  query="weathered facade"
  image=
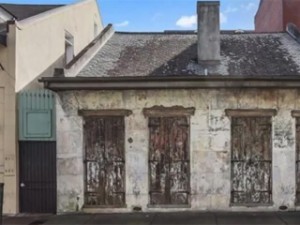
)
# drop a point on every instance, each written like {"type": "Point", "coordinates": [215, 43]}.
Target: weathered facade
{"type": "Point", "coordinates": [210, 151]}
{"type": "Point", "coordinates": [150, 124]}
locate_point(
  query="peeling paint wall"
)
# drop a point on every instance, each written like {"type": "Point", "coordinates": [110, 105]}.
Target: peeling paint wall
{"type": "Point", "coordinates": [210, 141]}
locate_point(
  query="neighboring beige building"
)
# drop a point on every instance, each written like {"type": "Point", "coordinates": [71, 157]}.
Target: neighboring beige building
{"type": "Point", "coordinates": [180, 121]}
{"type": "Point", "coordinates": [34, 40]}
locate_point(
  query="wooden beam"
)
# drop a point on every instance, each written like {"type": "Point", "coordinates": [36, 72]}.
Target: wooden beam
{"type": "Point", "coordinates": [295, 113]}
{"type": "Point", "coordinates": [169, 82]}
{"type": "Point", "coordinates": [161, 111]}
{"type": "Point", "coordinates": [105, 112]}
{"type": "Point", "coordinates": [250, 112]}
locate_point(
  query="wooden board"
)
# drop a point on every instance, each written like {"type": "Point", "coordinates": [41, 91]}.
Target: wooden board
{"type": "Point", "coordinates": [105, 164]}
{"type": "Point", "coordinates": [169, 165]}
{"type": "Point", "coordinates": [251, 160]}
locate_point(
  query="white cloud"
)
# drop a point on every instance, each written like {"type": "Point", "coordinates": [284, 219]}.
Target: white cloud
{"type": "Point", "coordinates": [122, 24]}
{"type": "Point", "coordinates": [191, 21]}
{"type": "Point", "coordinates": [249, 6]}
{"type": "Point", "coordinates": [230, 9]}
{"type": "Point", "coordinates": [223, 18]}
{"type": "Point", "coordinates": [187, 21]}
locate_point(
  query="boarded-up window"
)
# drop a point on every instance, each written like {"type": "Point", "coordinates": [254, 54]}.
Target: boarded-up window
{"type": "Point", "coordinates": [104, 161]}
{"type": "Point", "coordinates": [169, 164]}
{"type": "Point", "coordinates": [298, 159]}
{"type": "Point", "coordinates": [251, 160]}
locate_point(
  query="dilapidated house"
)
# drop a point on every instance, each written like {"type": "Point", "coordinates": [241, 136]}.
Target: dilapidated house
{"type": "Point", "coordinates": [206, 120]}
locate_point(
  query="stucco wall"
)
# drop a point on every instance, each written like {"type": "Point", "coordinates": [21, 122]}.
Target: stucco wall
{"type": "Point", "coordinates": [209, 146]}
{"type": "Point", "coordinates": [8, 150]}
{"type": "Point", "coordinates": [35, 46]}
{"type": "Point", "coordinates": [41, 39]}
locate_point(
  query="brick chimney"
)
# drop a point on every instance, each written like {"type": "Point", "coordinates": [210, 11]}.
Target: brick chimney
{"type": "Point", "coordinates": [208, 32]}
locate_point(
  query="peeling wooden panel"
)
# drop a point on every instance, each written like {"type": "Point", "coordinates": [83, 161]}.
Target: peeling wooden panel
{"type": "Point", "coordinates": [105, 112]}
{"type": "Point", "coordinates": [250, 112]}
{"type": "Point", "coordinates": [174, 111]}
{"type": "Point", "coordinates": [169, 165]}
{"type": "Point", "coordinates": [105, 164]}
{"type": "Point", "coordinates": [251, 160]}
{"type": "Point", "coordinates": [298, 160]}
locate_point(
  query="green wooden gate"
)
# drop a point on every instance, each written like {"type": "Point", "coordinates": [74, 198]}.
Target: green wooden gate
{"type": "Point", "coordinates": [37, 151]}
{"type": "Point", "coordinates": [37, 115]}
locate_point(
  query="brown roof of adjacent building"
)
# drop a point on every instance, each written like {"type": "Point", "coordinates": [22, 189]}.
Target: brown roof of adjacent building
{"type": "Point", "coordinates": [20, 11]}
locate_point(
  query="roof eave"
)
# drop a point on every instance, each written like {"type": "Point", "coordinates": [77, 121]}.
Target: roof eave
{"type": "Point", "coordinates": [170, 82]}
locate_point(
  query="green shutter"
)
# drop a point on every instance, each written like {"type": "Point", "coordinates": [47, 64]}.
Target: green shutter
{"type": "Point", "coordinates": [37, 115]}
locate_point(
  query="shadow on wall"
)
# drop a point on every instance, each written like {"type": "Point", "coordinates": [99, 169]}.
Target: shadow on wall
{"type": "Point", "coordinates": [48, 72]}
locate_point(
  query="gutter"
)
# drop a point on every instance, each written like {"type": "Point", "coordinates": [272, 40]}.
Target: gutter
{"type": "Point", "coordinates": [169, 82]}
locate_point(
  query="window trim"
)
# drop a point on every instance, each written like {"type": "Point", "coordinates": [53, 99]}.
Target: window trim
{"type": "Point", "coordinates": [69, 47]}
{"type": "Point", "coordinates": [104, 112]}
{"type": "Point", "coordinates": [250, 112]}
{"type": "Point", "coordinates": [173, 111]}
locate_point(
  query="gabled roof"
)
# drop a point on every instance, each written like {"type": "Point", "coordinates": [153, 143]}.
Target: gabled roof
{"type": "Point", "coordinates": [167, 54]}
{"type": "Point", "coordinates": [135, 61]}
{"type": "Point", "coordinates": [21, 11]}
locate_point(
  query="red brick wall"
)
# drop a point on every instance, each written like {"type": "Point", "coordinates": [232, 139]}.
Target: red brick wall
{"type": "Point", "coordinates": [291, 13]}
{"type": "Point", "coordinates": [269, 17]}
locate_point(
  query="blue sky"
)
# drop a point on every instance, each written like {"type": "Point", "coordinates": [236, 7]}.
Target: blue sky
{"type": "Point", "coordinates": [159, 15]}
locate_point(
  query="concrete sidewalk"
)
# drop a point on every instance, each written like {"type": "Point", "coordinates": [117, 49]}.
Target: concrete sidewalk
{"type": "Point", "coordinates": [23, 219]}
{"type": "Point", "coordinates": [180, 218]}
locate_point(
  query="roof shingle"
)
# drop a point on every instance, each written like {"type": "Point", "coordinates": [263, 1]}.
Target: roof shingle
{"type": "Point", "coordinates": [167, 54]}
{"type": "Point", "coordinates": [20, 11]}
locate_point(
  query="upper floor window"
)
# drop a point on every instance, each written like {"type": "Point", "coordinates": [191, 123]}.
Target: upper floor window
{"type": "Point", "coordinates": [95, 29]}
{"type": "Point", "coordinates": [69, 47]}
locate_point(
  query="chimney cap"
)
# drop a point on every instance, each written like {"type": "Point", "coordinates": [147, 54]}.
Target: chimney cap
{"type": "Point", "coordinates": [208, 2]}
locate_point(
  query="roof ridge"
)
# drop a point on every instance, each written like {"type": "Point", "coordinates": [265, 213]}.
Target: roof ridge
{"type": "Point", "coordinates": [174, 32]}
{"type": "Point", "coordinates": [26, 4]}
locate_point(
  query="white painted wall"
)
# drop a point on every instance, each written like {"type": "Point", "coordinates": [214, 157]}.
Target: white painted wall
{"type": "Point", "coordinates": [35, 46]}
{"type": "Point", "coordinates": [8, 148]}
{"type": "Point", "coordinates": [41, 39]}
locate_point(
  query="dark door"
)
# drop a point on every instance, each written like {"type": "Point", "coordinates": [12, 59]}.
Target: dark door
{"type": "Point", "coordinates": [251, 160]}
{"type": "Point", "coordinates": [37, 176]}
{"type": "Point", "coordinates": [169, 165]}
{"type": "Point", "coordinates": [104, 161]}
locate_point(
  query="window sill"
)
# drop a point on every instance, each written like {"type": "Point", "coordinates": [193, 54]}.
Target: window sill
{"type": "Point", "coordinates": [104, 206]}
{"type": "Point", "coordinates": [251, 205]}
{"type": "Point", "coordinates": [168, 206]}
